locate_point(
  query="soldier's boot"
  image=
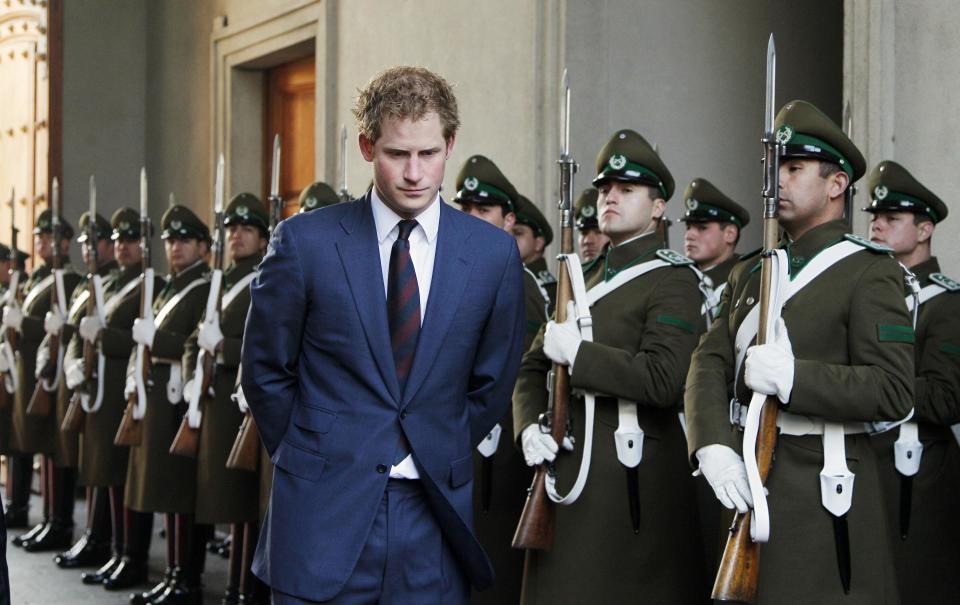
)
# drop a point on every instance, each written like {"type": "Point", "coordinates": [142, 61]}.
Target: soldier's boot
{"type": "Point", "coordinates": [19, 478]}
{"type": "Point", "coordinates": [115, 495]}
{"type": "Point", "coordinates": [169, 574]}
{"type": "Point", "coordinates": [187, 588]}
{"type": "Point", "coordinates": [93, 548]}
{"type": "Point", "coordinates": [231, 595]}
{"type": "Point", "coordinates": [59, 532]}
{"type": "Point", "coordinates": [132, 569]}
{"type": "Point", "coordinates": [46, 497]}
{"type": "Point", "coordinates": [252, 590]}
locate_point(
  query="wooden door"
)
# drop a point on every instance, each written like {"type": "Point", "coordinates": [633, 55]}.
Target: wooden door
{"type": "Point", "coordinates": [291, 108]}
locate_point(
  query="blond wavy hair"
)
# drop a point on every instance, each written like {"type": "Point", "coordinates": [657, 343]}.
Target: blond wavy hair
{"type": "Point", "coordinates": [405, 92]}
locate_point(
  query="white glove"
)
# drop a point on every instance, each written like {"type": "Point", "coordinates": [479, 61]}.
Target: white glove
{"type": "Point", "coordinates": [769, 368]}
{"type": "Point", "coordinates": [724, 470]}
{"type": "Point", "coordinates": [143, 331]}
{"type": "Point", "coordinates": [12, 317]}
{"type": "Point", "coordinates": [90, 327]}
{"type": "Point", "coordinates": [130, 386]}
{"type": "Point", "coordinates": [74, 373]}
{"type": "Point", "coordinates": [561, 341]}
{"type": "Point", "coordinates": [4, 364]}
{"type": "Point", "coordinates": [539, 446]}
{"type": "Point", "coordinates": [188, 391]}
{"type": "Point", "coordinates": [43, 356]}
{"type": "Point", "coordinates": [241, 400]}
{"type": "Point", "coordinates": [53, 322]}
{"type": "Point", "coordinates": [210, 335]}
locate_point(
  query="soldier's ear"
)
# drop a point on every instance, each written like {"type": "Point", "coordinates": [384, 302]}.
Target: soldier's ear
{"type": "Point", "coordinates": [924, 231]}
{"type": "Point", "coordinates": [730, 233]}
{"type": "Point", "coordinates": [509, 220]}
{"type": "Point", "coordinates": [837, 183]}
{"type": "Point", "coordinates": [659, 207]}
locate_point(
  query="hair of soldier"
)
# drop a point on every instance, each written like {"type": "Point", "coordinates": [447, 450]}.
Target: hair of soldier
{"type": "Point", "coordinates": [405, 92]}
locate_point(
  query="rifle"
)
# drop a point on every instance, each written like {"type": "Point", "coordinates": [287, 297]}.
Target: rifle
{"type": "Point", "coordinates": [738, 575]}
{"type": "Point", "coordinates": [243, 454]}
{"type": "Point", "coordinates": [130, 431]}
{"type": "Point", "coordinates": [535, 529]}
{"type": "Point", "coordinates": [187, 440]}
{"type": "Point", "coordinates": [74, 416]}
{"type": "Point", "coordinates": [48, 377]}
{"type": "Point", "coordinates": [344, 193]}
{"type": "Point", "coordinates": [12, 298]}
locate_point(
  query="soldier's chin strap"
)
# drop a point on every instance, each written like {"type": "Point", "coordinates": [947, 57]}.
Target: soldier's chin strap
{"type": "Point", "coordinates": [585, 322]}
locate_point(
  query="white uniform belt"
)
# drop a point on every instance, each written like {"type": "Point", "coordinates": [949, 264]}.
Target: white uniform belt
{"type": "Point", "coordinates": [798, 425]}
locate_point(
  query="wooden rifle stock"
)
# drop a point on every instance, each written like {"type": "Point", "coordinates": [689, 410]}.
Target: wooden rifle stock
{"type": "Point", "coordinates": [73, 419]}
{"type": "Point", "coordinates": [131, 430]}
{"type": "Point", "coordinates": [246, 447]}
{"type": "Point", "coordinates": [187, 440]}
{"type": "Point", "coordinates": [41, 401]}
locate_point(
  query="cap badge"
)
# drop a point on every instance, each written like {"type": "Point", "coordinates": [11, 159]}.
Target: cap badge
{"type": "Point", "coordinates": [311, 202]}
{"type": "Point", "coordinates": [242, 211]}
{"type": "Point", "coordinates": [880, 192]}
{"type": "Point", "coordinates": [588, 211]}
{"type": "Point", "coordinates": [123, 226]}
{"type": "Point", "coordinates": [471, 183]}
{"type": "Point", "coordinates": [43, 223]}
{"type": "Point", "coordinates": [784, 134]}
{"type": "Point", "coordinates": [175, 225]}
{"type": "Point", "coordinates": [617, 162]}
{"type": "Point", "coordinates": [692, 204]}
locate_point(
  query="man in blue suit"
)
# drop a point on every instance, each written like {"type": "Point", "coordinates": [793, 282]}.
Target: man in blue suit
{"type": "Point", "coordinates": [382, 344]}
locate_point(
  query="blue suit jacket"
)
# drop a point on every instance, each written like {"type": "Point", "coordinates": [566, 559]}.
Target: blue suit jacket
{"type": "Point", "coordinates": [319, 376]}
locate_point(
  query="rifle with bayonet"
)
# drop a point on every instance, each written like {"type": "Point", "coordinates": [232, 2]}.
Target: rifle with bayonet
{"type": "Point", "coordinates": [48, 377]}
{"type": "Point", "coordinates": [130, 431]}
{"type": "Point", "coordinates": [344, 193]}
{"type": "Point", "coordinates": [535, 529]}
{"type": "Point", "coordinates": [187, 440]}
{"type": "Point", "coordinates": [74, 416]}
{"type": "Point", "coordinates": [12, 298]}
{"type": "Point", "coordinates": [851, 191]}
{"type": "Point", "coordinates": [738, 575]}
{"type": "Point", "coordinates": [246, 446]}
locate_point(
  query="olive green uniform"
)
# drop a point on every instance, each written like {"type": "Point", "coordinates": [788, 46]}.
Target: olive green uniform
{"type": "Point", "coordinates": [158, 481]}
{"type": "Point", "coordinates": [35, 434]}
{"type": "Point", "coordinates": [224, 495]}
{"type": "Point", "coordinates": [927, 560]}
{"type": "Point", "coordinates": [643, 334]}
{"type": "Point", "coordinates": [852, 364]}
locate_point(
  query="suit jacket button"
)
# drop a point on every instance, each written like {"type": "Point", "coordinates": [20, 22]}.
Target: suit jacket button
{"type": "Point", "coordinates": [381, 468]}
{"type": "Point", "coordinates": [403, 415]}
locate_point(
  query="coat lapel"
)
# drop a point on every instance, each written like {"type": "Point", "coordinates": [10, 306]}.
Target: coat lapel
{"type": "Point", "coordinates": [451, 269]}
{"type": "Point", "coordinates": [360, 255]}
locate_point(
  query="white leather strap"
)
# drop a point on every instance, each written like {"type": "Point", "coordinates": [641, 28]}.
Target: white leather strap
{"type": "Point", "coordinates": [487, 447]}
{"type": "Point", "coordinates": [629, 436]}
{"type": "Point", "coordinates": [171, 304]}
{"type": "Point", "coordinates": [836, 480]}
{"type": "Point", "coordinates": [35, 291]}
{"type": "Point", "coordinates": [244, 284]}
{"type": "Point", "coordinates": [624, 277]}
{"type": "Point", "coordinates": [114, 301]}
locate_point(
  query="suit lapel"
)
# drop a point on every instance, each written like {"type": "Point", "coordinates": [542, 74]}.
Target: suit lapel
{"type": "Point", "coordinates": [451, 268]}
{"type": "Point", "coordinates": [360, 255]}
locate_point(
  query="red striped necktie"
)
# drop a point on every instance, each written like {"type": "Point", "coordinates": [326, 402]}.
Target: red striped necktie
{"type": "Point", "coordinates": [403, 302]}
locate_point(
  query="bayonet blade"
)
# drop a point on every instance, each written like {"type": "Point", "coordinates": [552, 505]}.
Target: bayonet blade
{"type": "Point", "coordinates": [218, 188]}
{"type": "Point", "coordinates": [771, 86]}
{"type": "Point", "coordinates": [275, 168]}
{"type": "Point", "coordinates": [93, 199]}
{"type": "Point", "coordinates": [848, 120]}
{"type": "Point", "coordinates": [143, 192]}
{"type": "Point", "coordinates": [171, 200]}
{"type": "Point", "coordinates": [565, 114]}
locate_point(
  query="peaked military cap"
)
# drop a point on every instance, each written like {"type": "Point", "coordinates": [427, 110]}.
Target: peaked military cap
{"type": "Point", "coordinates": [806, 132]}
{"type": "Point", "coordinates": [892, 187]}
{"type": "Point", "coordinates": [528, 214]}
{"type": "Point", "coordinates": [179, 222]}
{"type": "Point", "coordinates": [246, 209]}
{"type": "Point", "coordinates": [44, 224]}
{"type": "Point", "coordinates": [317, 195]}
{"type": "Point", "coordinates": [705, 203]}
{"type": "Point", "coordinates": [126, 224]}
{"type": "Point", "coordinates": [21, 256]}
{"type": "Point", "coordinates": [585, 210]}
{"type": "Point", "coordinates": [628, 158]}
{"type": "Point", "coordinates": [481, 182]}
{"type": "Point", "coordinates": [103, 227]}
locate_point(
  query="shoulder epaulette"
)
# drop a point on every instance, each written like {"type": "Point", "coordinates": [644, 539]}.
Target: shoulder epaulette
{"type": "Point", "coordinates": [875, 247]}
{"type": "Point", "coordinates": [951, 285]}
{"type": "Point", "coordinates": [546, 278]}
{"type": "Point", "coordinates": [674, 258]}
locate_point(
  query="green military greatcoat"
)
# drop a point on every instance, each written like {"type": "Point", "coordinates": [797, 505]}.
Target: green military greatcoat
{"type": "Point", "coordinates": [644, 332]}
{"type": "Point", "coordinates": [224, 495]}
{"type": "Point", "coordinates": [850, 335]}
{"type": "Point", "coordinates": [927, 560]}
{"type": "Point", "coordinates": [35, 434]}
{"type": "Point", "coordinates": [67, 452]}
{"type": "Point", "coordinates": [158, 481]}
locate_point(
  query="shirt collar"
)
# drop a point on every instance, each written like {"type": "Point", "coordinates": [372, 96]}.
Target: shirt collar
{"type": "Point", "coordinates": [386, 219]}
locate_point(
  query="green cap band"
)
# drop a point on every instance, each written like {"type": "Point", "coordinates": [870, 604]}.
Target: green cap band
{"type": "Point", "coordinates": [621, 164]}
{"type": "Point", "coordinates": [709, 212]}
{"type": "Point", "coordinates": [807, 141]}
{"type": "Point", "coordinates": [898, 201]}
{"type": "Point", "coordinates": [525, 219]}
{"type": "Point", "coordinates": [477, 190]}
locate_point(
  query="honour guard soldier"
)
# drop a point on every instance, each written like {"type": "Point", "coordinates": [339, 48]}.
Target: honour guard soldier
{"type": "Point", "coordinates": [714, 223]}
{"type": "Point", "coordinates": [620, 540]}
{"type": "Point", "coordinates": [317, 195]}
{"type": "Point", "coordinates": [533, 233]}
{"type": "Point", "coordinates": [589, 237]}
{"type": "Point", "coordinates": [919, 460]}
{"type": "Point", "coordinates": [19, 466]}
{"type": "Point", "coordinates": [36, 433]}
{"type": "Point", "coordinates": [226, 495]}
{"type": "Point", "coordinates": [103, 465]}
{"type": "Point", "coordinates": [839, 357]}
{"type": "Point", "coordinates": [93, 547]}
{"type": "Point", "coordinates": [158, 481]}
{"type": "Point", "coordinates": [501, 477]}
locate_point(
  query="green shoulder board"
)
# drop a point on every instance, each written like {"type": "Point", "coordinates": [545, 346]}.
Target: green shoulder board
{"type": "Point", "coordinates": [868, 244]}
{"type": "Point", "coordinates": [674, 258]}
{"type": "Point", "coordinates": [942, 280]}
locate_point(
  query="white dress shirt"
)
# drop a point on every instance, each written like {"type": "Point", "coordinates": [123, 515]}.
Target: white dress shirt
{"type": "Point", "coordinates": [423, 252]}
